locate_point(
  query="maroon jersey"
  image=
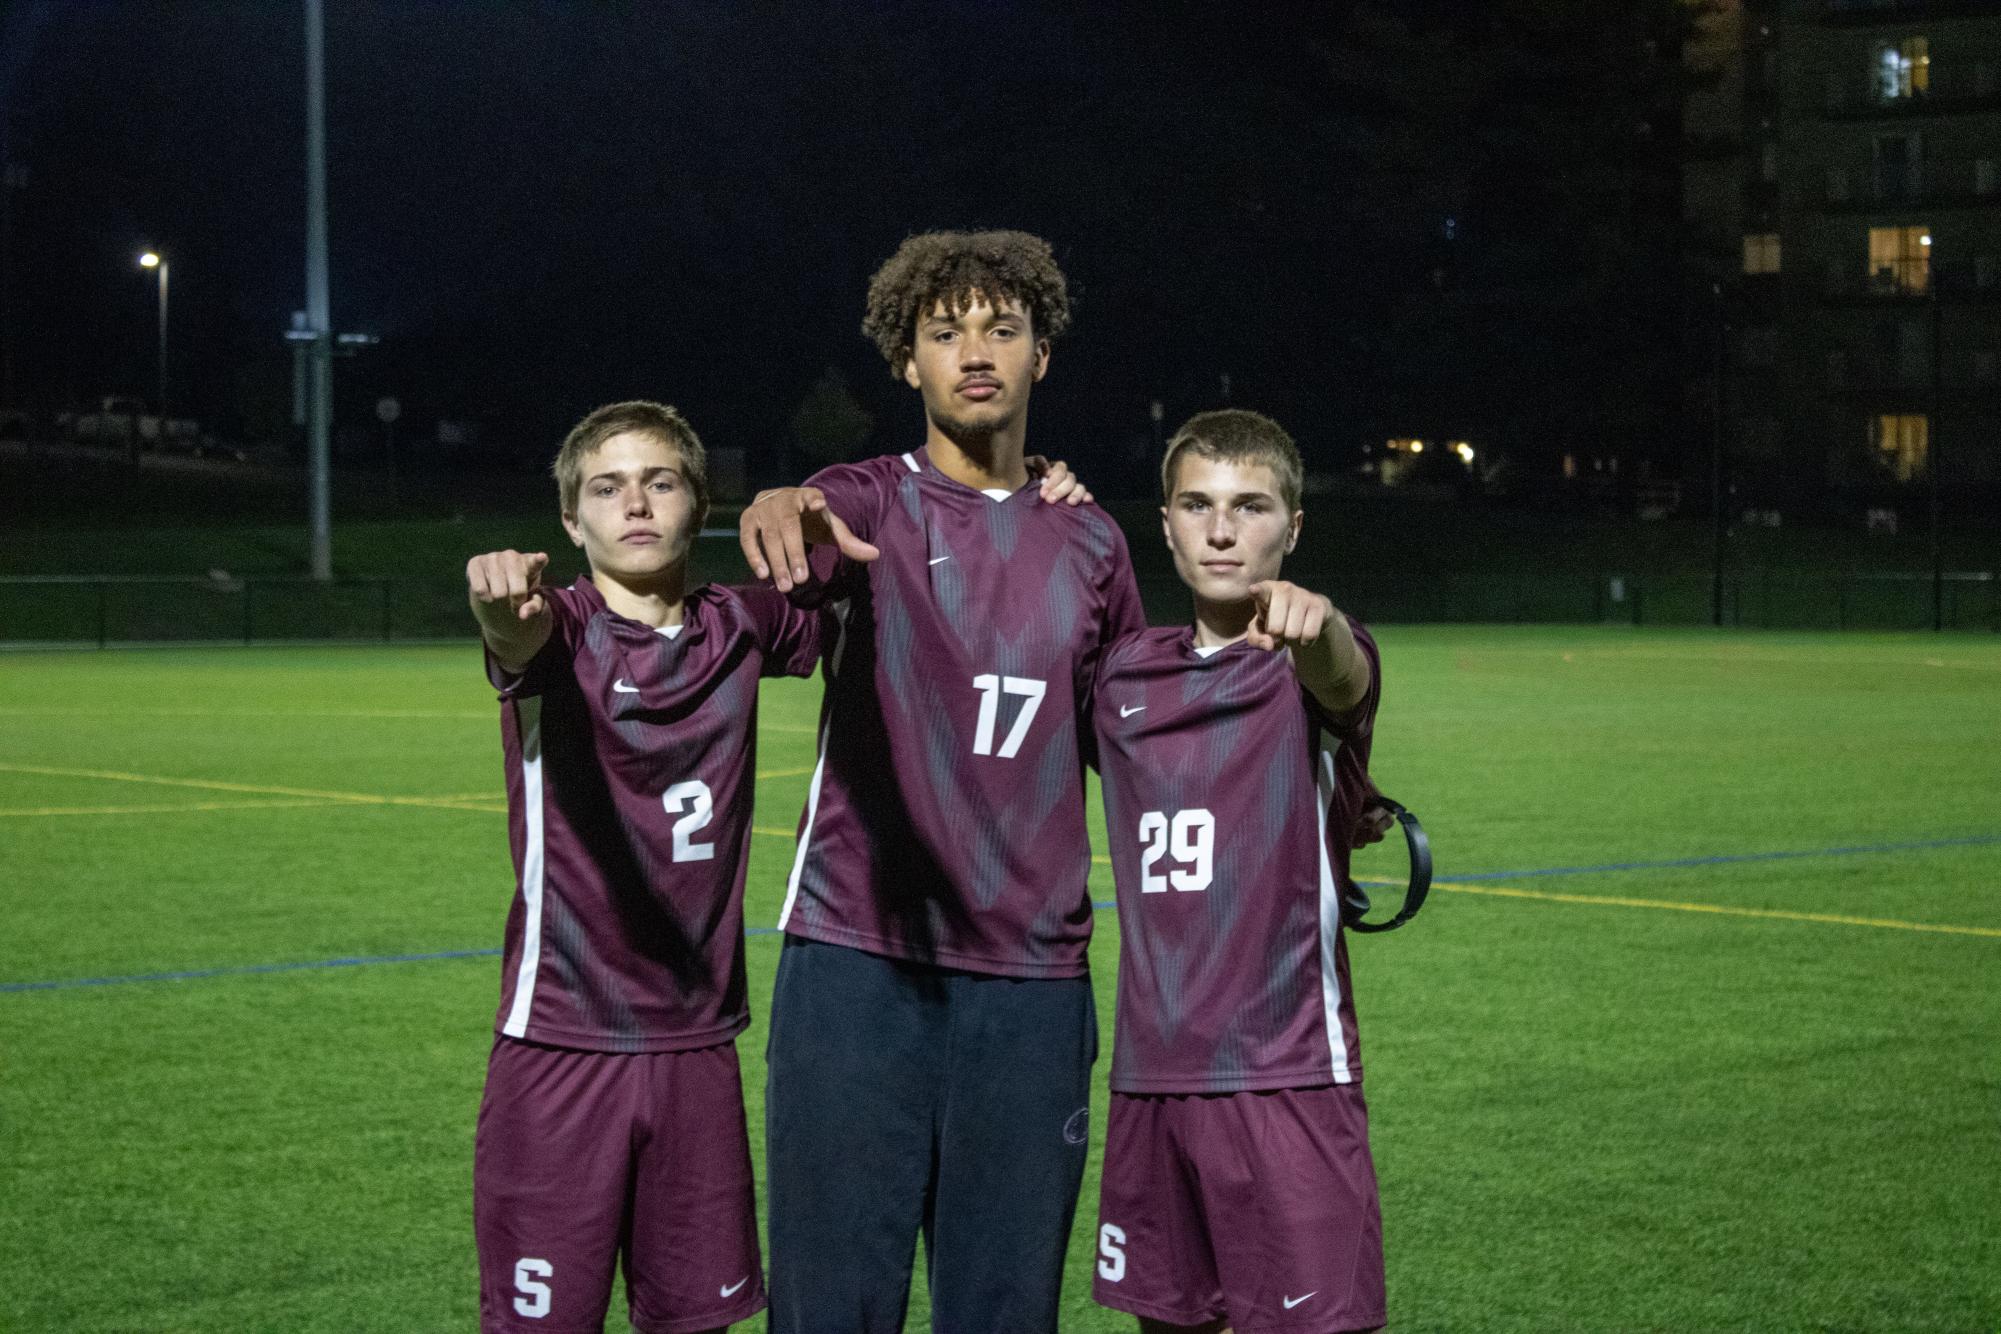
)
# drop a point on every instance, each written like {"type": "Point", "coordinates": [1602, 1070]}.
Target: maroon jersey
{"type": "Point", "coordinates": [945, 822]}
{"type": "Point", "coordinates": [1229, 795]}
{"type": "Point", "coordinates": [631, 757]}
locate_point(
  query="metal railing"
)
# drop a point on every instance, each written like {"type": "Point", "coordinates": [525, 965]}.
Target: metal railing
{"type": "Point", "coordinates": [137, 608]}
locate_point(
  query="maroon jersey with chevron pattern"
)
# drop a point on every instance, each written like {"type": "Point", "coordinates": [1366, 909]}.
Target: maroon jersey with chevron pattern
{"type": "Point", "coordinates": [1229, 796]}
{"type": "Point", "coordinates": [945, 822]}
{"type": "Point", "coordinates": [631, 759]}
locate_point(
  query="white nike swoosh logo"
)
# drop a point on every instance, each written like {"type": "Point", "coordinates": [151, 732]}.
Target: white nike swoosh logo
{"type": "Point", "coordinates": [938, 560]}
{"type": "Point", "coordinates": [1125, 712]}
{"type": "Point", "coordinates": [730, 1291]}
{"type": "Point", "coordinates": [622, 688]}
{"type": "Point", "coordinates": [1291, 1302]}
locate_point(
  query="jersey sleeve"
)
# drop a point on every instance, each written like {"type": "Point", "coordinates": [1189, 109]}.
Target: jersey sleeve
{"type": "Point", "coordinates": [1123, 617]}
{"type": "Point", "coordinates": [1125, 614]}
{"type": "Point", "coordinates": [566, 618]}
{"type": "Point", "coordinates": [789, 637]}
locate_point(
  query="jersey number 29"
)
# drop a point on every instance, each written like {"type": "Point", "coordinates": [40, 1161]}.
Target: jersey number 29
{"type": "Point", "coordinates": [1190, 836]}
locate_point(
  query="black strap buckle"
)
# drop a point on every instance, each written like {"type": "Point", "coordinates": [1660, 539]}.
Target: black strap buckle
{"type": "Point", "coordinates": [1355, 903]}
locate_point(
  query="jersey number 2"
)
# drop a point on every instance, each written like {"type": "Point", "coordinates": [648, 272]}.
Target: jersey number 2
{"type": "Point", "coordinates": [1190, 836]}
{"type": "Point", "coordinates": [692, 797]}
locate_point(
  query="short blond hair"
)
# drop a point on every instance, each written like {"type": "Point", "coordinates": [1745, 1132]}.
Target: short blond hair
{"type": "Point", "coordinates": [1237, 435]}
{"type": "Point", "coordinates": [654, 420]}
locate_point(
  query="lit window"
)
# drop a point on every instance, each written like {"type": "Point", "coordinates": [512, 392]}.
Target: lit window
{"type": "Point", "coordinates": [1761, 252]}
{"type": "Point", "coordinates": [1899, 259]}
{"type": "Point", "coordinates": [1902, 443]}
{"type": "Point", "coordinates": [1903, 69]}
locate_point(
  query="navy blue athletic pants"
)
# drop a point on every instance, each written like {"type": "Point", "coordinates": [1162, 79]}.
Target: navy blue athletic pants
{"type": "Point", "coordinates": [905, 1098]}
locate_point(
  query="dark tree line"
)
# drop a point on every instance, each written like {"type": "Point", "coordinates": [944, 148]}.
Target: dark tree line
{"type": "Point", "coordinates": [1371, 218]}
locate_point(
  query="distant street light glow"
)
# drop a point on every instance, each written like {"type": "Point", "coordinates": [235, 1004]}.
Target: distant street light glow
{"type": "Point", "coordinates": [1926, 239]}
{"type": "Point", "coordinates": [1417, 446]}
{"type": "Point", "coordinates": [149, 260]}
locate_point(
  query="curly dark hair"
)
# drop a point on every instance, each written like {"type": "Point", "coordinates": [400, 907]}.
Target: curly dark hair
{"type": "Point", "coordinates": [953, 267]}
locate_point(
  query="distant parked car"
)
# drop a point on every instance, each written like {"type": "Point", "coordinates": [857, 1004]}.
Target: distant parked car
{"type": "Point", "coordinates": [118, 418]}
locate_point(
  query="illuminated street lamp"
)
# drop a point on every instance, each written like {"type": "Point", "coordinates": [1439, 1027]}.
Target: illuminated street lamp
{"type": "Point", "coordinates": [153, 259]}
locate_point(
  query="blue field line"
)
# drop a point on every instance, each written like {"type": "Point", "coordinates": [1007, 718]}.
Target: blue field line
{"type": "Point", "coordinates": [1855, 850]}
{"type": "Point", "coordinates": [243, 969]}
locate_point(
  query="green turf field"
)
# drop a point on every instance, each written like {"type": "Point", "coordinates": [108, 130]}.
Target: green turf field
{"type": "Point", "coordinates": [1749, 1095]}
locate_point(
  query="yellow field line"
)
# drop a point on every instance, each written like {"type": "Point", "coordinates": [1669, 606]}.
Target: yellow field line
{"type": "Point", "coordinates": [301, 804]}
{"type": "Point", "coordinates": [254, 789]}
{"type": "Point", "coordinates": [485, 803]}
{"type": "Point", "coordinates": [1668, 905]}
{"type": "Point", "coordinates": [306, 797]}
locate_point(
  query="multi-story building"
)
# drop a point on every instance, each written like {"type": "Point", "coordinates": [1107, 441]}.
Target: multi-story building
{"type": "Point", "coordinates": [1844, 192]}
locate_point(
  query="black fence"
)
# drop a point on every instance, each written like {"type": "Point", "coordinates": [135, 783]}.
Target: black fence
{"type": "Point", "coordinates": [126, 609]}
{"type": "Point", "coordinates": [133, 609]}
{"type": "Point", "coordinates": [1755, 599]}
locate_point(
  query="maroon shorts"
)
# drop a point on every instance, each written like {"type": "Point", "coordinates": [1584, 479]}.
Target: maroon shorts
{"type": "Point", "coordinates": [1255, 1207]}
{"type": "Point", "coordinates": [585, 1159]}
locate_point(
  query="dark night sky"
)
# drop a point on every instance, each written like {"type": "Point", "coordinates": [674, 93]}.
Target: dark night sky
{"type": "Point", "coordinates": [544, 207]}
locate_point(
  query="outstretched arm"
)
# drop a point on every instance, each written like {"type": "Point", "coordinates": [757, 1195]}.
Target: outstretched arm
{"type": "Point", "coordinates": [505, 590]}
{"type": "Point", "coordinates": [778, 526]}
{"type": "Point", "coordinates": [1325, 655]}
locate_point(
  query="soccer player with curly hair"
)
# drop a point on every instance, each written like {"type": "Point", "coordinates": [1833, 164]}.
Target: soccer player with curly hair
{"type": "Point", "coordinates": [932, 1027]}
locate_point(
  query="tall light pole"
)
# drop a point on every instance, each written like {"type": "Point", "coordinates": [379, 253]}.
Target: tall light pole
{"type": "Point", "coordinates": [153, 259]}
{"type": "Point", "coordinates": [1933, 430]}
{"type": "Point", "coordinates": [318, 319]}
{"type": "Point", "coordinates": [1718, 527]}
